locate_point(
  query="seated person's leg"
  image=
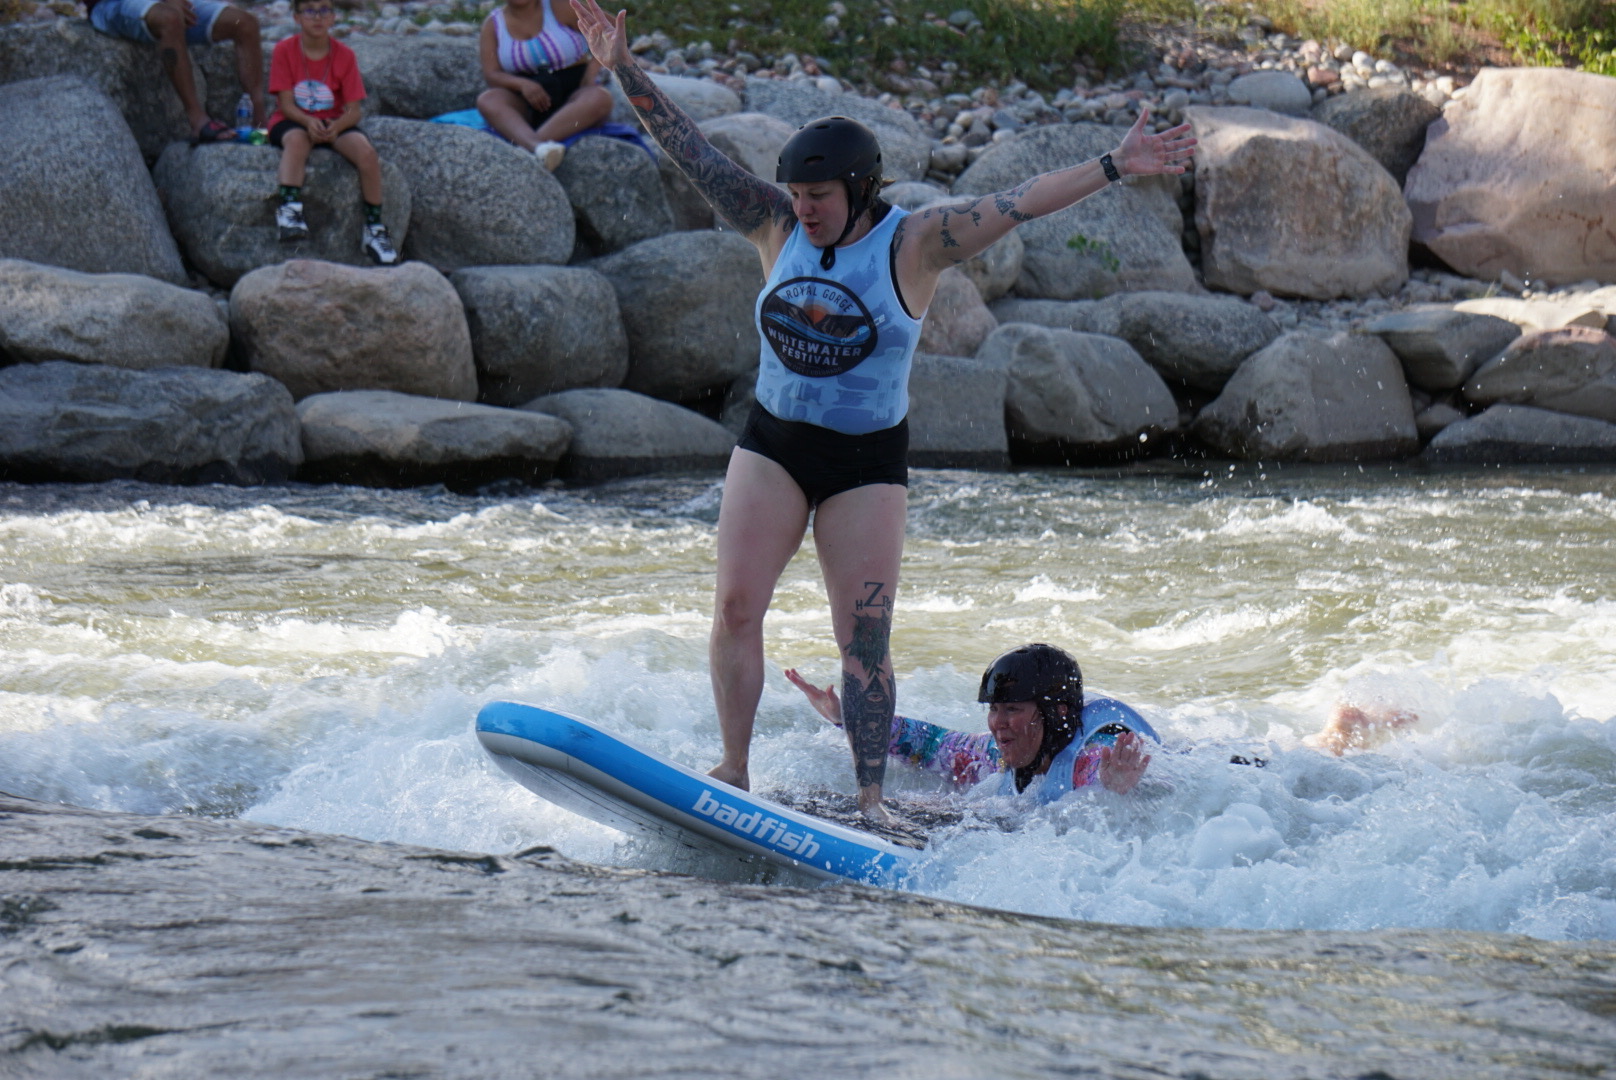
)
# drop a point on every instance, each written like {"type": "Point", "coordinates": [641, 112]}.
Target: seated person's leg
{"type": "Point", "coordinates": [586, 107]}
{"type": "Point", "coordinates": [508, 114]}
{"type": "Point", "coordinates": [295, 146]}
{"type": "Point", "coordinates": [357, 148]}
{"type": "Point", "coordinates": [241, 27]}
{"type": "Point", "coordinates": [170, 24]}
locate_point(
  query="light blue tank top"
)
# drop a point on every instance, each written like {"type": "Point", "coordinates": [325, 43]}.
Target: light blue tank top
{"type": "Point", "coordinates": [1099, 714]}
{"type": "Point", "coordinates": [837, 343]}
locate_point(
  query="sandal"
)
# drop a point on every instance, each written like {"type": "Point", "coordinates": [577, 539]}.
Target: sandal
{"type": "Point", "coordinates": [213, 132]}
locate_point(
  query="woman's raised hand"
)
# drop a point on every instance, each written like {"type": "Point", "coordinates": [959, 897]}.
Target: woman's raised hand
{"type": "Point", "coordinates": [607, 38]}
{"type": "Point", "coordinates": [1145, 153]}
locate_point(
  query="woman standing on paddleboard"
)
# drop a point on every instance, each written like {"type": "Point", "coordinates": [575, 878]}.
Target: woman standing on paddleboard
{"type": "Point", "coordinates": [849, 278]}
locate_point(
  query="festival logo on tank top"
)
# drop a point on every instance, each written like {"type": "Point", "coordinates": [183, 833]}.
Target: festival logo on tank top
{"type": "Point", "coordinates": [817, 328]}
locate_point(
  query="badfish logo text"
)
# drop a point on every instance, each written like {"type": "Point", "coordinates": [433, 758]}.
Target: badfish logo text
{"type": "Point", "coordinates": [757, 824]}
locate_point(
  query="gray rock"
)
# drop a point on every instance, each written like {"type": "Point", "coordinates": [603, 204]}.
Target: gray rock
{"type": "Point", "coordinates": [1311, 398]}
{"type": "Point", "coordinates": [957, 321]}
{"type": "Point", "coordinates": [915, 194]}
{"type": "Point", "coordinates": [89, 422]}
{"type": "Point", "coordinates": [1081, 316]}
{"type": "Point", "coordinates": [417, 76]}
{"type": "Point", "coordinates": [319, 327]}
{"type": "Point", "coordinates": [956, 413]}
{"type": "Point", "coordinates": [1294, 208]}
{"type": "Point", "coordinates": [1077, 397]}
{"type": "Point", "coordinates": [1538, 313]}
{"type": "Point", "coordinates": [379, 438]}
{"type": "Point", "coordinates": [1278, 91]}
{"type": "Point", "coordinates": [1128, 234]}
{"type": "Point", "coordinates": [619, 433]}
{"type": "Point", "coordinates": [1522, 435]}
{"type": "Point", "coordinates": [687, 301]}
{"type": "Point", "coordinates": [1387, 121]}
{"type": "Point", "coordinates": [1436, 418]}
{"type": "Point", "coordinates": [616, 194]}
{"type": "Point", "coordinates": [690, 211]}
{"type": "Point", "coordinates": [1440, 347]}
{"type": "Point", "coordinates": [124, 320]}
{"type": "Point", "coordinates": [475, 200]}
{"type": "Point", "coordinates": [752, 140]}
{"type": "Point", "coordinates": [701, 99]}
{"type": "Point", "coordinates": [74, 191]}
{"type": "Point", "coordinates": [221, 205]}
{"type": "Point", "coordinates": [905, 146]}
{"type": "Point", "coordinates": [1571, 371]}
{"type": "Point", "coordinates": [1198, 341]}
{"type": "Point", "coordinates": [541, 329]}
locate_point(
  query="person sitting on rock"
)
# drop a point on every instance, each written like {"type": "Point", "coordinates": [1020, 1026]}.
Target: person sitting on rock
{"type": "Point", "coordinates": [317, 87]}
{"type": "Point", "coordinates": [543, 84]}
{"type": "Point", "coordinates": [172, 25]}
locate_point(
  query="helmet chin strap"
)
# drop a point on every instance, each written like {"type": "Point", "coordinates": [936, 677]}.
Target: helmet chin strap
{"type": "Point", "coordinates": [856, 207]}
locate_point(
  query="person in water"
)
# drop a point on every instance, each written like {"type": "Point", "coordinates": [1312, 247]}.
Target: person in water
{"type": "Point", "coordinates": [1043, 736]}
{"type": "Point", "coordinates": [849, 279]}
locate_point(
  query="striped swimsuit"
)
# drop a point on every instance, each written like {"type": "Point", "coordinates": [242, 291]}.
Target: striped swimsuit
{"type": "Point", "coordinates": [555, 48]}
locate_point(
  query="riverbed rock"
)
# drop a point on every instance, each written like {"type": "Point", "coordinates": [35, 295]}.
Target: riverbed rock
{"type": "Point", "coordinates": [616, 194]}
{"type": "Point", "coordinates": [1434, 419]}
{"type": "Point", "coordinates": [417, 76]}
{"type": "Point", "coordinates": [1078, 397]}
{"type": "Point", "coordinates": [1127, 235]}
{"type": "Point", "coordinates": [221, 206]}
{"type": "Point", "coordinates": [1387, 121]}
{"type": "Point", "coordinates": [1312, 398]}
{"type": "Point", "coordinates": [618, 433]}
{"type": "Point", "coordinates": [318, 326]}
{"type": "Point", "coordinates": [124, 320]}
{"type": "Point", "coordinates": [1195, 341]}
{"type": "Point", "coordinates": [62, 421]}
{"type": "Point", "coordinates": [1539, 313]}
{"type": "Point", "coordinates": [74, 191]}
{"type": "Point", "coordinates": [956, 413]}
{"type": "Point", "coordinates": [687, 301]}
{"type": "Point", "coordinates": [541, 329]}
{"type": "Point", "coordinates": [1294, 208]}
{"type": "Point", "coordinates": [474, 200]}
{"type": "Point", "coordinates": [957, 321]}
{"type": "Point", "coordinates": [751, 140]}
{"type": "Point", "coordinates": [905, 146]}
{"type": "Point", "coordinates": [380, 438]}
{"type": "Point", "coordinates": [1082, 316]}
{"type": "Point", "coordinates": [1515, 177]}
{"type": "Point", "coordinates": [1277, 91]}
{"type": "Point", "coordinates": [1523, 435]}
{"type": "Point", "coordinates": [1570, 371]}
{"type": "Point", "coordinates": [1439, 346]}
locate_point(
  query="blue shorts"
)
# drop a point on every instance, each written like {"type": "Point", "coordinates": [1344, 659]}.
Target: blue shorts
{"type": "Point", "coordinates": [127, 19]}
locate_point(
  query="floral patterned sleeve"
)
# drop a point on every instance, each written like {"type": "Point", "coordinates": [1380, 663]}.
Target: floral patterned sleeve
{"type": "Point", "coordinates": [961, 757]}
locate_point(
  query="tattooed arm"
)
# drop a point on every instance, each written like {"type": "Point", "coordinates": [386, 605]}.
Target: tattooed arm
{"type": "Point", "coordinates": [755, 208]}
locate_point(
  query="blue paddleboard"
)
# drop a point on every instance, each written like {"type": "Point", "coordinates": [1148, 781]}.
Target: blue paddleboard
{"type": "Point", "coordinates": [581, 768]}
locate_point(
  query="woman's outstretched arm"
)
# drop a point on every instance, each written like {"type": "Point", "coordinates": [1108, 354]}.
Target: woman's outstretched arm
{"type": "Point", "coordinates": [755, 208]}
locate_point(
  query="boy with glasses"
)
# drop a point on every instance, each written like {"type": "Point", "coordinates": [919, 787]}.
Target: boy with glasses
{"type": "Point", "coordinates": [316, 83]}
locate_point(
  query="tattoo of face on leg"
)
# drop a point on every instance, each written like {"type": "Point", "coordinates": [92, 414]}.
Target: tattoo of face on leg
{"type": "Point", "coordinates": [867, 708]}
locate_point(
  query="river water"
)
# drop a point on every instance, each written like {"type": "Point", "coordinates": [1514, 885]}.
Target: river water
{"type": "Point", "coordinates": [313, 657]}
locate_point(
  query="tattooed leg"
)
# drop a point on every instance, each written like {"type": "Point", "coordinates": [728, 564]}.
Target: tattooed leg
{"type": "Point", "coordinates": [868, 694]}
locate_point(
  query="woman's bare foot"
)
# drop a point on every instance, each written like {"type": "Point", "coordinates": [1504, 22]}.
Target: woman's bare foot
{"type": "Point", "coordinates": [869, 804]}
{"type": "Point", "coordinates": [732, 775]}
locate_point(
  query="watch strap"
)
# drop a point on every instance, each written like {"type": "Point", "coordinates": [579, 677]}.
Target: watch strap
{"type": "Point", "coordinates": [1111, 174]}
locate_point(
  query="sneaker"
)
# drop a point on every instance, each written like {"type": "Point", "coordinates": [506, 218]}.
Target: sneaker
{"type": "Point", "coordinates": [550, 154]}
{"type": "Point", "coordinates": [378, 246]}
{"type": "Point", "coordinates": [289, 220]}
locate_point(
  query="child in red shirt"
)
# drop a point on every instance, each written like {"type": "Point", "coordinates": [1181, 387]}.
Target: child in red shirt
{"type": "Point", "coordinates": [317, 88]}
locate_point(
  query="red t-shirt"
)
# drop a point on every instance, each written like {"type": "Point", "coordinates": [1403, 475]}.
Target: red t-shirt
{"type": "Point", "coordinates": [322, 88]}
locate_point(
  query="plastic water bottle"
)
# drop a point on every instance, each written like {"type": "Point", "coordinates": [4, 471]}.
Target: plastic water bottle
{"type": "Point", "coordinates": [244, 125]}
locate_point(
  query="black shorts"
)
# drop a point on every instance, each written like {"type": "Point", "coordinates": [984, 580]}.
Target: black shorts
{"type": "Point", "coordinates": [560, 85]}
{"type": "Point", "coordinates": [285, 124]}
{"type": "Point", "coordinates": [825, 462]}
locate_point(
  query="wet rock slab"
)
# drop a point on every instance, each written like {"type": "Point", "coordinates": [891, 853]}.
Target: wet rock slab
{"type": "Point", "coordinates": [168, 946]}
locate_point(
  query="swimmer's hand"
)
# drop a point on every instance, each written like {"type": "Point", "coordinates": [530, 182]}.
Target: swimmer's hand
{"type": "Point", "coordinates": [825, 702]}
{"type": "Point", "coordinates": [1123, 764]}
{"type": "Point", "coordinates": [1352, 728]}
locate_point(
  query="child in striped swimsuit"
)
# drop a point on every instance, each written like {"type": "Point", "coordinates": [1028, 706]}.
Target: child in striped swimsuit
{"type": "Point", "coordinates": [543, 85]}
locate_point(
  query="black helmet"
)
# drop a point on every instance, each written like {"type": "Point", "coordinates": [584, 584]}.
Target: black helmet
{"type": "Point", "coordinates": [834, 148]}
{"type": "Point", "coordinates": [1048, 676]}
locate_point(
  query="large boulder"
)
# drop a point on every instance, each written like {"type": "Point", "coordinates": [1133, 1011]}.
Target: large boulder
{"type": "Point", "coordinates": [379, 438]}
{"type": "Point", "coordinates": [616, 194]}
{"type": "Point", "coordinates": [957, 321]}
{"type": "Point", "coordinates": [1441, 347]}
{"type": "Point", "coordinates": [617, 433]}
{"type": "Point", "coordinates": [474, 200]}
{"type": "Point", "coordinates": [418, 76]}
{"type": "Point", "coordinates": [1277, 91]}
{"type": "Point", "coordinates": [221, 205]}
{"type": "Point", "coordinates": [74, 191]}
{"type": "Point", "coordinates": [1516, 176]}
{"type": "Point", "coordinates": [1522, 435]}
{"type": "Point", "coordinates": [319, 326]}
{"type": "Point", "coordinates": [956, 413]}
{"type": "Point", "coordinates": [1123, 238]}
{"type": "Point", "coordinates": [752, 140]}
{"type": "Point", "coordinates": [905, 146]}
{"type": "Point", "coordinates": [89, 422]}
{"type": "Point", "coordinates": [1542, 313]}
{"type": "Point", "coordinates": [1194, 341]}
{"type": "Point", "coordinates": [1571, 371]}
{"type": "Point", "coordinates": [541, 329]}
{"type": "Point", "coordinates": [1082, 316]}
{"type": "Point", "coordinates": [125, 320]}
{"type": "Point", "coordinates": [1077, 397]}
{"type": "Point", "coordinates": [1387, 121]}
{"type": "Point", "coordinates": [687, 301]}
{"type": "Point", "coordinates": [700, 99]}
{"type": "Point", "coordinates": [1294, 208]}
{"type": "Point", "coordinates": [1311, 398]}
